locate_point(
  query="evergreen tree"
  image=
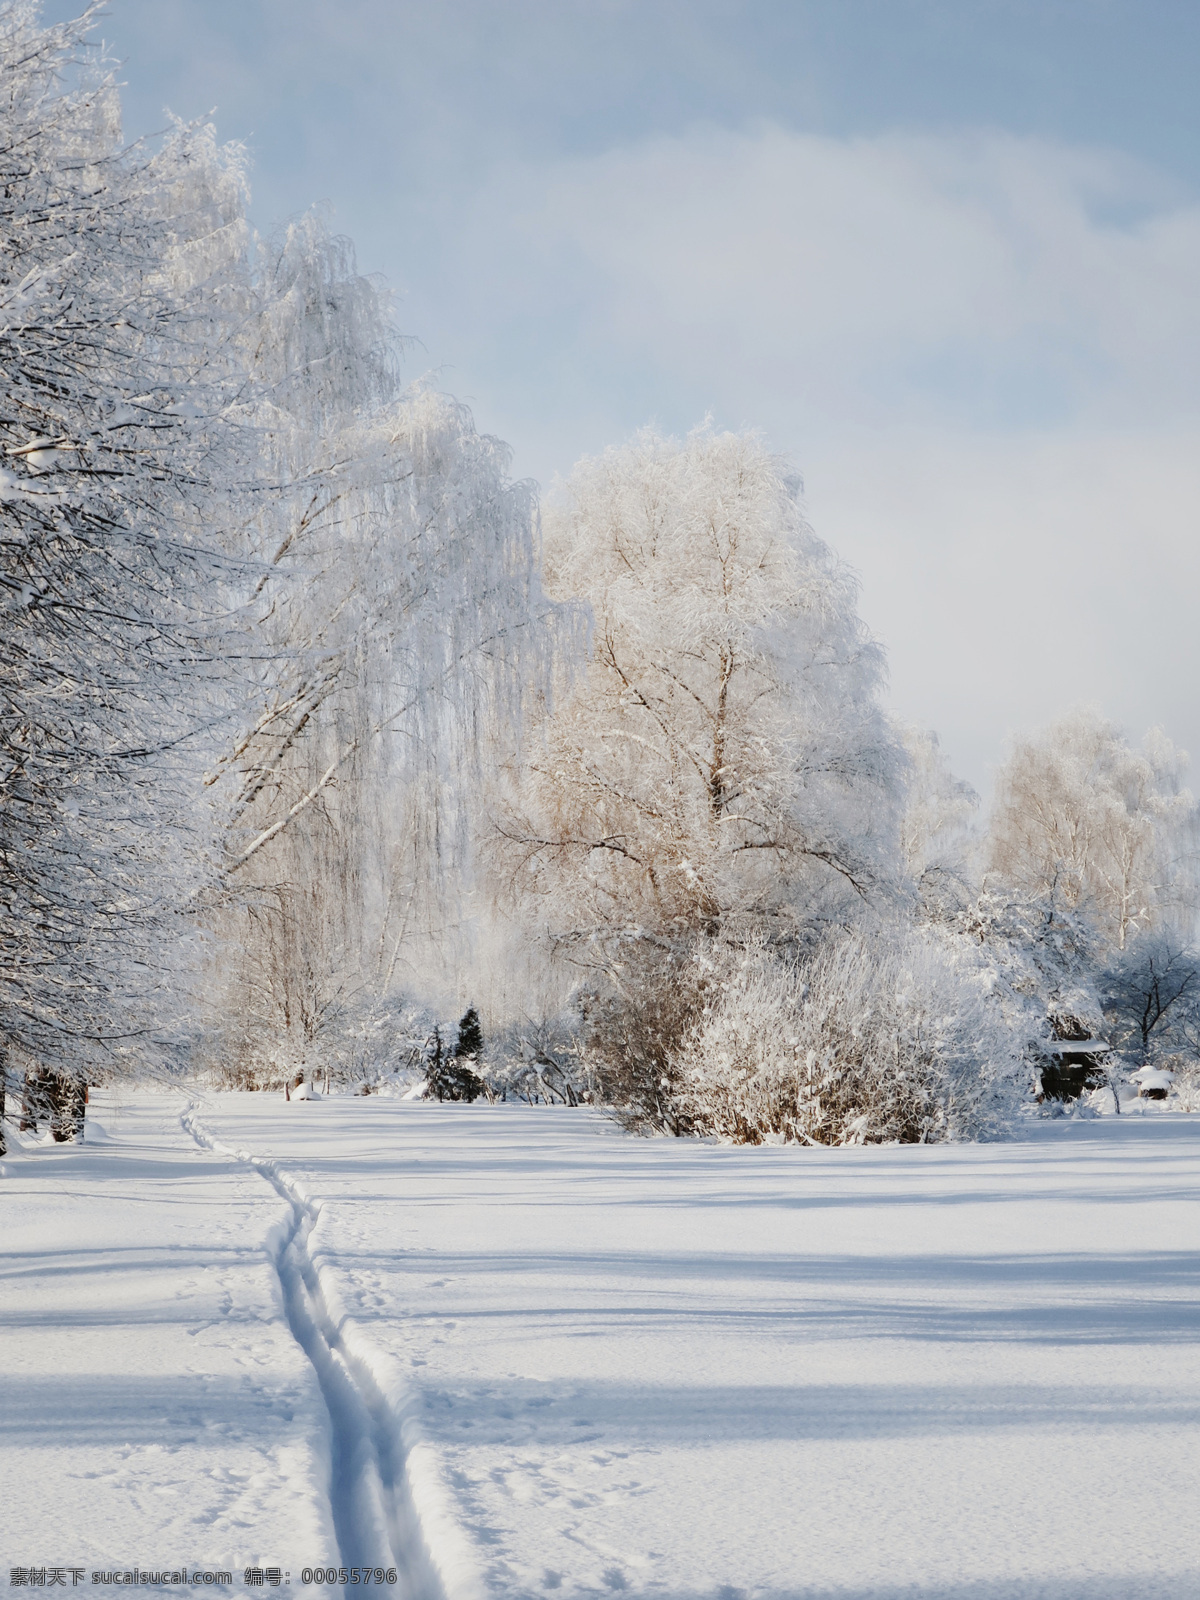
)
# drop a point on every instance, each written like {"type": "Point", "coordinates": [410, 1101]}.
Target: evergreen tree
{"type": "Point", "coordinates": [454, 1076]}
{"type": "Point", "coordinates": [470, 1037]}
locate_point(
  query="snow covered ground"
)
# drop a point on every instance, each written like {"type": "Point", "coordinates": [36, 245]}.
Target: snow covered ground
{"type": "Point", "coordinates": [547, 1359]}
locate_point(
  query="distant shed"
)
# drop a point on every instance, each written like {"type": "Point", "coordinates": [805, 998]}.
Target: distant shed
{"type": "Point", "coordinates": [1072, 1065]}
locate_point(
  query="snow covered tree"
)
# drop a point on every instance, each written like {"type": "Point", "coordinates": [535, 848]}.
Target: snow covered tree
{"type": "Point", "coordinates": [1151, 997]}
{"type": "Point", "coordinates": [469, 1046]}
{"type": "Point", "coordinates": [1085, 823]}
{"type": "Point", "coordinates": [724, 759]}
{"type": "Point", "coordinates": [121, 285]}
{"type": "Point", "coordinates": [399, 626]}
{"type": "Point", "coordinates": [454, 1074]}
{"type": "Point", "coordinates": [267, 611]}
{"type": "Point", "coordinates": [721, 769]}
{"type": "Point", "coordinates": [938, 811]}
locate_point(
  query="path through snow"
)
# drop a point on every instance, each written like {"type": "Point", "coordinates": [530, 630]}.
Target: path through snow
{"type": "Point", "coordinates": [369, 1500]}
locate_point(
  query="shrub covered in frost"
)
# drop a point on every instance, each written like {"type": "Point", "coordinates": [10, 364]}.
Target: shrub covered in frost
{"type": "Point", "coordinates": [885, 1035]}
{"type": "Point", "coordinates": [635, 1026]}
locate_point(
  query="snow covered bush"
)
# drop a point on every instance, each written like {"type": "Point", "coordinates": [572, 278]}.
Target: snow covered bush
{"type": "Point", "coordinates": [635, 1019]}
{"type": "Point", "coordinates": [1042, 957]}
{"type": "Point", "coordinates": [888, 1034]}
{"type": "Point", "coordinates": [368, 1040]}
{"type": "Point", "coordinates": [1186, 1071]}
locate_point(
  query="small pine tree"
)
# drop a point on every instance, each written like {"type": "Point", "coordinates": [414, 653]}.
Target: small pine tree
{"type": "Point", "coordinates": [436, 1075]}
{"type": "Point", "coordinates": [453, 1076]}
{"type": "Point", "coordinates": [470, 1037]}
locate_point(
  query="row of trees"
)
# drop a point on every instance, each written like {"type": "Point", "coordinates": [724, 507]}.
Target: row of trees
{"type": "Point", "coordinates": [309, 717]}
{"type": "Point", "coordinates": [265, 607]}
{"type": "Point", "coordinates": [121, 408]}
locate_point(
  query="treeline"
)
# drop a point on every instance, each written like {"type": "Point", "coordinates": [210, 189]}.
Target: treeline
{"type": "Point", "coordinates": [264, 606]}
{"type": "Point", "coordinates": [309, 716]}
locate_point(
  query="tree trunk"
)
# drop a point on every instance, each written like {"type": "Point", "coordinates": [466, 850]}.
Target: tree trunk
{"type": "Point", "coordinates": [35, 1100]}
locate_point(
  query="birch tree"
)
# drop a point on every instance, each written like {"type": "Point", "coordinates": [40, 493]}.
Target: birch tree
{"type": "Point", "coordinates": [938, 812]}
{"type": "Point", "coordinates": [1087, 823]}
{"type": "Point", "coordinates": [398, 622]}
{"type": "Point", "coordinates": [722, 770]}
{"type": "Point", "coordinates": [724, 760]}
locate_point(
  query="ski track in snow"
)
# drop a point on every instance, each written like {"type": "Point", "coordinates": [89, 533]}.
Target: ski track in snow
{"type": "Point", "coordinates": [373, 1514]}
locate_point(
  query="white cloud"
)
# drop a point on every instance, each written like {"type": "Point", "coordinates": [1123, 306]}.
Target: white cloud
{"type": "Point", "coordinates": [871, 273]}
{"type": "Point", "coordinates": [1014, 576]}
{"type": "Point", "coordinates": [984, 353]}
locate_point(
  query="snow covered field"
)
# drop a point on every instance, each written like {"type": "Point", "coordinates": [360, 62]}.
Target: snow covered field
{"type": "Point", "coordinates": [559, 1361]}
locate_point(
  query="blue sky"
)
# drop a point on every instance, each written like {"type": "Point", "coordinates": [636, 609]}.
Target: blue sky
{"type": "Point", "coordinates": [943, 254]}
